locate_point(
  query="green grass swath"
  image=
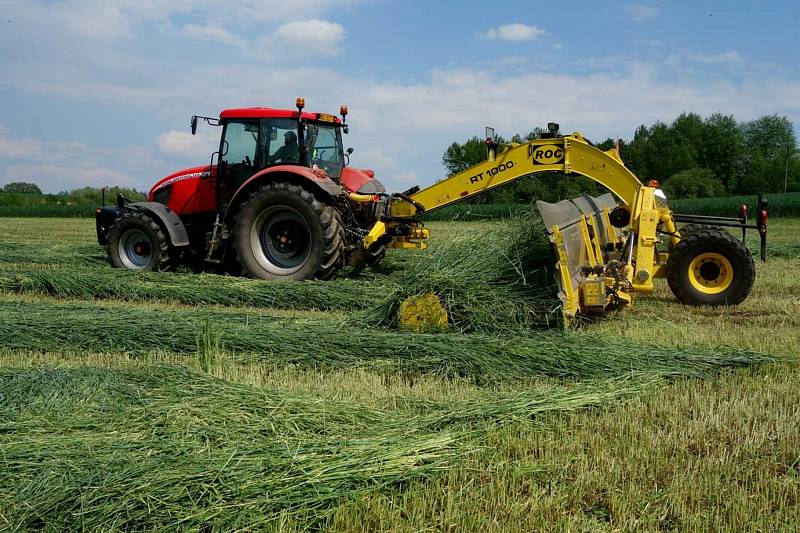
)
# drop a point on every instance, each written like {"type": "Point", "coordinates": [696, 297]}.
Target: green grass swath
{"type": "Point", "coordinates": [501, 280]}
{"type": "Point", "coordinates": [334, 343]}
{"type": "Point", "coordinates": [164, 448]}
{"type": "Point", "coordinates": [193, 289]}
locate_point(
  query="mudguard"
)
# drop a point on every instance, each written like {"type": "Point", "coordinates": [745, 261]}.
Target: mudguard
{"type": "Point", "coordinates": [169, 220]}
{"type": "Point", "coordinates": [293, 173]}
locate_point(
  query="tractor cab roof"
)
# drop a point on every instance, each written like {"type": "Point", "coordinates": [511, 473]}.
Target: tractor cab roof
{"type": "Point", "coordinates": [268, 112]}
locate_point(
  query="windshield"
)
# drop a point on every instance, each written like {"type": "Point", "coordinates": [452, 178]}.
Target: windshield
{"type": "Point", "coordinates": [324, 145]}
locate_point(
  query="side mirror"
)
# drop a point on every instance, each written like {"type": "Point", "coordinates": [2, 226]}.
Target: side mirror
{"type": "Point", "coordinates": [224, 148]}
{"type": "Point", "coordinates": [194, 124]}
{"type": "Point", "coordinates": [350, 151]}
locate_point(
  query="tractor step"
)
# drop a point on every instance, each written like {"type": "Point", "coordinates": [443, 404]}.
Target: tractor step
{"type": "Point", "coordinates": [218, 233]}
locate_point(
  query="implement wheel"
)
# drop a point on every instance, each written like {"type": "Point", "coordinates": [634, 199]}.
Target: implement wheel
{"type": "Point", "coordinates": [710, 267]}
{"type": "Point", "coordinates": [688, 229]}
{"type": "Point", "coordinates": [137, 242]}
{"type": "Point", "coordinates": [284, 232]}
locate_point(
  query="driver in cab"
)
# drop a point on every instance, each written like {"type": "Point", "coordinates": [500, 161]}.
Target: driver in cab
{"type": "Point", "coordinates": [289, 152]}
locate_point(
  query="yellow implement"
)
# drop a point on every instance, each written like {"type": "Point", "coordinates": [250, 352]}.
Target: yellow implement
{"type": "Point", "coordinates": [606, 248]}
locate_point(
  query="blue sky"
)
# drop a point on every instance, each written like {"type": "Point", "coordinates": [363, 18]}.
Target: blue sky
{"type": "Point", "coordinates": [100, 93]}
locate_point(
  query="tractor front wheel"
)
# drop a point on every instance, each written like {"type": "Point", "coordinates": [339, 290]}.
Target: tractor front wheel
{"type": "Point", "coordinates": [136, 242]}
{"type": "Point", "coordinates": [284, 232]}
{"type": "Point", "coordinates": [710, 267]}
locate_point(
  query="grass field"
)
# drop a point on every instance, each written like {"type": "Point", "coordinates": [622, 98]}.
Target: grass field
{"type": "Point", "coordinates": [196, 401]}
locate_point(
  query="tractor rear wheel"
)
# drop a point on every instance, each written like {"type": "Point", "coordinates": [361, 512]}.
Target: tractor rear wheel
{"type": "Point", "coordinates": [136, 242]}
{"type": "Point", "coordinates": [710, 267]}
{"type": "Point", "coordinates": [284, 232]}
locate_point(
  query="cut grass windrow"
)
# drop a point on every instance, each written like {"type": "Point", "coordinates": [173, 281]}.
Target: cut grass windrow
{"type": "Point", "coordinates": [78, 255]}
{"type": "Point", "coordinates": [501, 280]}
{"type": "Point", "coordinates": [165, 448]}
{"type": "Point", "coordinates": [332, 342]}
{"type": "Point", "coordinates": [194, 289]}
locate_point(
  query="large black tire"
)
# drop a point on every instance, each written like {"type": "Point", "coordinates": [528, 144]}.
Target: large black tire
{"type": "Point", "coordinates": [688, 229]}
{"type": "Point", "coordinates": [136, 242]}
{"type": "Point", "coordinates": [284, 232]}
{"type": "Point", "coordinates": [710, 267]}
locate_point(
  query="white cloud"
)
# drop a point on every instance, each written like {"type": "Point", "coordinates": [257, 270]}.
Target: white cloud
{"type": "Point", "coordinates": [402, 128]}
{"type": "Point", "coordinates": [372, 157]}
{"type": "Point", "coordinates": [725, 57]}
{"type": "Point", "coordinates": [62, 165]}
{"type": "Point", "coordinates": [405, 179]}
{"type": "Point", "coordinates": [316, 35]}
{"type": "Point", "coordinates": [71, 175]}
{"type": "Point", "coordinates": [212, 33]}
{"type": "Point", "coordinates": [514, 32]}
{"type": "Point", "coordinates": [641, 12]}
{"type": "Point", "coordinates": [95, 21]}
{"type": "Point", "coordinates": [183, 143]}
{"type": "Point", "coordinates": [14, 148]}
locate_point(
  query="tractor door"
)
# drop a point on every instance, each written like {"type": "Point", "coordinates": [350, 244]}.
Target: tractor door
{"type": "Point", "coordinates": [239, 158]}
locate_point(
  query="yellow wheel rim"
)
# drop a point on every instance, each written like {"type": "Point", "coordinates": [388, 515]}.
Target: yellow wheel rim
{"type": "Point", "coordinates": [710, 273]}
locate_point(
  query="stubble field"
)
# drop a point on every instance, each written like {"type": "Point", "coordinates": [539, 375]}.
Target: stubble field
{"type": "Point", "coordinates": [188, 401]}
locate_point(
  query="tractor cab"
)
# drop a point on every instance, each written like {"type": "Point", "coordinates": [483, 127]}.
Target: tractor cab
{"type": "Point", "coordinates": [255, 139]}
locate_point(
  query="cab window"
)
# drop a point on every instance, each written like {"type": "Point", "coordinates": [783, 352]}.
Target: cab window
{"type": "Point", "coordinates": [280, 137]}
{"type": "Point", "coordinates": [241, 141]}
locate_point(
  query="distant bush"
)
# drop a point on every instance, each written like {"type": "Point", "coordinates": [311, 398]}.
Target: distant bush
{"type": "Point", "coordinates": [694, 183]}
{"type": "Point", "coordinates": [22, 187]}
{"type": "Point", "coordinates": [75, 203]}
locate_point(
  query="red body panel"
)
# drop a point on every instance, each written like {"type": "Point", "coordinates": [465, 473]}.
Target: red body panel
{"type": "Point", "coordinates": [354, 178]}
{"type": "Point", "coordinates": [194, 190]}
{"type": "Point", "coordinates": [266, 112]}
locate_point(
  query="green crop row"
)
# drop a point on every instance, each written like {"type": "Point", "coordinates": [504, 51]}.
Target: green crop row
{"type": "Point", "coordinates": [48, 211]}
{"type": "Point", "coordinates": [780, 205]}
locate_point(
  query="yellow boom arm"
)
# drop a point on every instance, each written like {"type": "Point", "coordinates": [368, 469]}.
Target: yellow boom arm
{"type": "Point", "coordinates": [567, 155]}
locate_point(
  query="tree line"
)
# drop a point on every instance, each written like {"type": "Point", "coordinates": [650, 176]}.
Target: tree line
{"type": "Point", "coordinates": [693, 157]}
{"type": "Point", "coordinates": [21, 193]}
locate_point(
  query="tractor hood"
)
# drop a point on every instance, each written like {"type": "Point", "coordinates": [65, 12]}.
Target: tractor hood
{"type": "Point", "coordinates": [204, 171]}
{"type": "Point", "coordinates": [361, 181]}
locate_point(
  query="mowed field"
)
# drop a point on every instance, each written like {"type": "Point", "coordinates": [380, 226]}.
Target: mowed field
{"type": "Point", "coordinates": [200, 401]}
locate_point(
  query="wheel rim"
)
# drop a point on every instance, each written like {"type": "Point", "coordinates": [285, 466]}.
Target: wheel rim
{"type": "Point", "coordinates": [710, 273]}
{"type": "Point", "coordinates": [135, 249]}
{"type": "Point", "coordinates": [281, 240]}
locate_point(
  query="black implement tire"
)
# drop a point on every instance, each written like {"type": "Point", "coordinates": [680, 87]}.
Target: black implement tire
{"type": "Point", "coordinates": [374, 257]}
{"type": "Point", "coordinates": [136, 242]}
{"type": "Point", "coordinates": [688, 229]}
{"type": "Point", "coordinates": [710, 267]}
{"type": "Point", "coordinates": [284, 232]}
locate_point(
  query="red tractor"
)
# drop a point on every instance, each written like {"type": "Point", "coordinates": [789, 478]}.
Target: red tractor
{"type": "Point", "coordinates": [281, 201]}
